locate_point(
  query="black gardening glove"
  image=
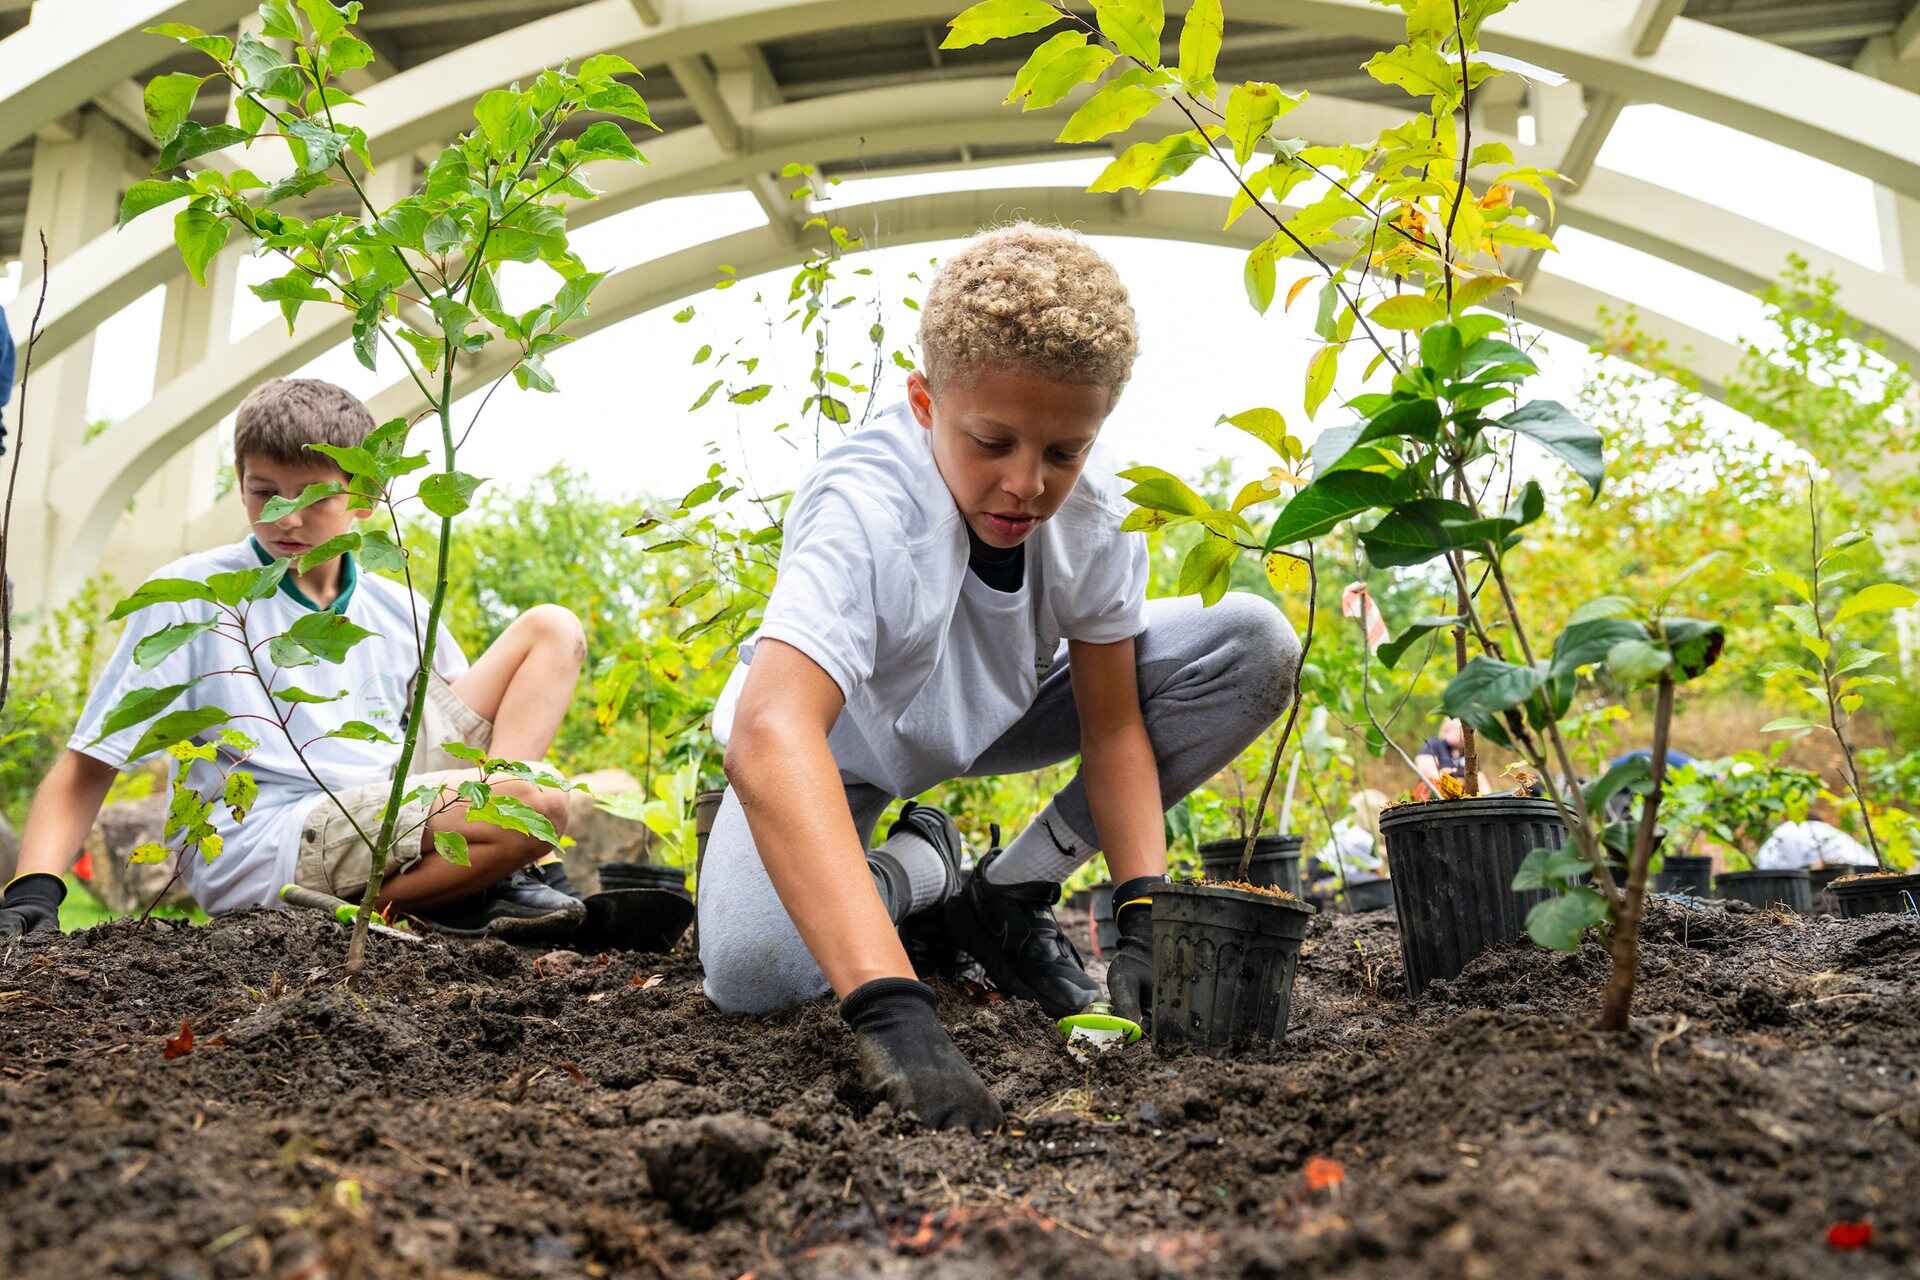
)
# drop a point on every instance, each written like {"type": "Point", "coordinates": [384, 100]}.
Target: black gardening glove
{"type": "Point", "coordinates": [31, 904]}
{"type": "Point", "coordinates": [906, 1057]}
{"type": "Point", "coordinates": [1130, 972]}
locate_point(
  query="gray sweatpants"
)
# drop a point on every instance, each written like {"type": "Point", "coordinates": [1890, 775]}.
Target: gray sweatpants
{"type": "Point", "coordinates": [1211, 681]}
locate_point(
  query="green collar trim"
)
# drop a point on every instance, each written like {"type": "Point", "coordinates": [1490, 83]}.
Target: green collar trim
{"type": "Point", "coordinates": [290, 585]}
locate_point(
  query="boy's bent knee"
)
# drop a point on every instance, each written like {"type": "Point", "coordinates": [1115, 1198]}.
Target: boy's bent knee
{"type": "Point", "coordinates": [1262, 645]}
{"type": "Point", "coordinates": [558, 626]}
{"type": "Point", "coordinates": [754, 973]}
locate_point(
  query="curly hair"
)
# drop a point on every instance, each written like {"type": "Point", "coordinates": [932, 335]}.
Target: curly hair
{"type": "Point", "coordinates": [1036, 298]}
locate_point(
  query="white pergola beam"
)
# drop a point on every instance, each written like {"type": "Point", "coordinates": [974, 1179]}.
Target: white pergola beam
{"type": "Point", "coordinates": [1651, 22]}
{"type": "Point", "coordinates": [50, 68]}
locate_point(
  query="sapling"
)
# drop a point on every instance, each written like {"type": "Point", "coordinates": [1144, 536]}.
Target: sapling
{"type": "Point", "coordinates": [25, 356]}
{"type": "Point", "coordinates": [1838, 671]}
{"type": "Point", "coordinates": [1398, 214]}
{"type": "Point", "coordinates": [420, 277]}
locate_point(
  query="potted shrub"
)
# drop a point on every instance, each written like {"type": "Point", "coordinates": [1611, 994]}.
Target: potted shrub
{"type": "Point", "coordinates": [1834, 677]}
{"type": "Point", "coordinates": [1276, 858]}
{"type": "Point", "coordinates": [1736, 804]}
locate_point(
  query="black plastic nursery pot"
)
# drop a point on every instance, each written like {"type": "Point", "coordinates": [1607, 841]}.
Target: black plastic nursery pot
{"type": "Point", "coordinates": [1223, 965]}
{"type": "Point", "coordinates": [1818, 878]}
{"type": "Point", "coordinates": [1369, 895]}
{"type": "Point", "coordinates": [1789, 889]}
{"type": "Point", "coordinates": [1453, 866]}
{"type": "Point", "coordinates": [1685, 873]}
{"type": "Point", "coordinates": [643, 875]}
{"type": "Point", "coordinates": [1873, 894]}
{"type": "Point", "coordinates": [1276, 861]}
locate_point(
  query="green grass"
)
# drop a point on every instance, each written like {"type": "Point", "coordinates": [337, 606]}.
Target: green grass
{"type": "Point", "coordinates": [82, 910]}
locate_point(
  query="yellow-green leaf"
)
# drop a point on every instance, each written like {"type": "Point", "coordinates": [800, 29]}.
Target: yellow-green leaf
{"type": "Point", "coordinates": [1407, 311]}
{"type": "Point", "coordinates": [1251, 110]}
{"type": "Point", "coordinates": [1200, 48]}
{"type": "Point", "coordinates": [1878, 598]}
{"type": "Point", "coordinates": [1479, 289]}
{"type": "Point", "coordinates": [1116, 107]}
{"type": "Point", "coordinates": [1067, 72]}
{"type": "Point", "coordinates": [1134, 26]}
{"type": "Point", "coordinates": [1286, 573]}
{"type": "Point", "coordinates": [1261, 273]}
{"type": "Point", "coordinates": [145, 855]}
{"type": "Point", "coordinates": [1147, 164]}
{"type": "Point", "coordinates": [1264, 425]}
{"type": "Point", "coordinates": [1320, 371]}
{"type": "Point", "coordinates": [998, 19]}
{"type": "Point", "coordinates": [1421, 69]}
{"type": "Point", "coordinates": [1038, 62]}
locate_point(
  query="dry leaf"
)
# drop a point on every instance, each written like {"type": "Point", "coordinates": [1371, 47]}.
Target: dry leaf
{"type": "Point", "coordinates": [1323, 1174]}
{"type": "Point", "coordinates": [573, 1069]}
{"type": "Point", "coordinates": [181, 1045]}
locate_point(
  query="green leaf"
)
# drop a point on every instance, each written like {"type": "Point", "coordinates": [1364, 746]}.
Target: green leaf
{"type": "Point", "coordinates": [1251, 110]}
{"type": "Point", "coordinates": [1116, 107]}
{"type": "Point", "coordinates": [1163, 491]}
{"type": "Point", "coordinates": [617, 99]}
{"type": "Point", "coordinates": [314, 146]}
{"type": "Point", "coordinates": [242, 585]}
{"type": "Point", "coordinates": [1320, 374]}
{"type": "Point", "coordinates": [1789, 724]}
{"type": "Point", "coordinates": [278, 508]}
{"type": "Point", "coordinates": [139, 705]}
{"type": "Point", "coordinates": [1327, 502]}
{"type": "Point", "coordinates": [1407, 311]}
{"type": "Point", "coordinates": [1027, 83]}
{"type": "Point", "coordinates": [176, 726]}
{"type": "Point", "coordinates": [290, 291]}
{"type": "Point", "coordinates": [1391, 652]}
{"type": "Point", "coordinates": [153, 649]}
{"type": "Point", "coordinates": [1632, 773]}
{"type": "Point", "coordinates": [1261, 273]}
{"type": "Point", "coordinates": [298, 696]}
{"type": "Point", "coordinates": [1695, 644]}
{"type": "Point", "coordinates": [1413, 533]}
{"type": "Point", "coordinates": [1146, 165]}
{"type": "Point", "coordinates": [192, 141]}
{"type": "Point", "coordinates": [510, 814]}
{"type": "Point", "coordinates": [448, 493]}
{"type": "Point", "coordinates": [1134, 26]}
{"type": "Point", "coordinates": [379, 552]}
{"type": "Point", "coordinates": [200, 235]}
{"type": "Point", "coordinates": [507, 119]}
{"type": "Point", "coordinates": [1268, 427]}
{"type": "Point", "coordinates": [605, 66]}
{"type": "Point", "coordinates": [240, 793]}
{"type": "Point", "coordinates": [1200, 48]}
{"type": "Point", "coordinates": [326, 635]}
{"type": "Point", "coordinates": [168, 101]}
{"type": "Point", "coordinates": [571, 301]}
{"type": "Point", "coordinates": [1484, 690]}
{"type": "Point", "coordinates": [1587, 641]}
{"type": "Point", "coordinates": [706, 395]}
{"type": "Point", "coordinates": [359, 731]}
{"type": "Point", "coordinates": [285, 651]}
{"type": "Point", "coordinates": [752, 395]}
{"type": "Point", "coordinates": [1881, 597]}
{"type": "Point", "coordinates": [151, 194]}
{"type": "Point", "coordinates": [1549, 869]}
{"type": "Point", "coordinates": [1207, 569]}
{"type": "Point", "coordinates": [161, 591]}
{"type": "Point", "coordinates": [1418, 419]}
{"type": "Point", "coordinates": [327, 21]}
{"type": "Point", "coordinates": [1576, 443]}
{"type": "Point", "coordinates": [149, 854]}
{"type": "Point", "coordinates": [1853, 537]}
{"type": "Point", "coordinates": [604, 140]}
{"type": "Point", "coordinates": [328, 550]}
{"type": "Point", "coordinates": [1637, 662]}
{"type": "Point", "coordinates": [452, 846]}
{"type": "Point", "coordinates": [998, 19]}
{"type": "Point", "coordinates": [1559, 922]}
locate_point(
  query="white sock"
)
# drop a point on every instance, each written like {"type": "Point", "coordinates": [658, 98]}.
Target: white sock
{"type": "Point", "coordinates": [1048, 850]}
{"type": "Point", "coordinates": [911, 874]}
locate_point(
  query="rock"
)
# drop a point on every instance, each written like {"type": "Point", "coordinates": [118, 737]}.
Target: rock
{"type": "Point", "coordinates": [123, 826]}
{"type": "Point", "coordinates": [701, 1167]}
{"type": "Point", "coordinates": [598, 836]}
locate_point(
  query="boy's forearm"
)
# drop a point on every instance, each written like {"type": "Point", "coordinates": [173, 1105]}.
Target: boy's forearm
{"type": "Point", "coordinates": [1122, 781]}
{"type": "Point", "coordinates": [63, 813]}
{"type": "Point", "coordinates": [796, 808]}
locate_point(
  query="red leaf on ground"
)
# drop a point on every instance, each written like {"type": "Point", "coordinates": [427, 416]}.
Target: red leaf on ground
{"type": "Point", "coordinates": [573, 1069]}
{"type": "Point", "coordinates": [181, 1045]}
{"type": "Point", "coordinates": [1322, 1173]}
{"type": "Point", "coordinates": [1850, 1235]}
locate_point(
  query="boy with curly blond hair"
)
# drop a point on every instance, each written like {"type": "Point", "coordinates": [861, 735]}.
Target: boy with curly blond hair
{"type": "Point", "coordinates": [956, 597]}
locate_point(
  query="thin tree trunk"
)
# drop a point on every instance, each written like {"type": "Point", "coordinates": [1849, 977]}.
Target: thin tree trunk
{"type": "Point", "coordinates": [1617, 1006]}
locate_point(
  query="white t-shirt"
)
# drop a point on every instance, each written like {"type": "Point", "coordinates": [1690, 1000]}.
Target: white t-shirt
{"type": "Point", "coordinates": [1805, 844]}
{"type": "Point", "coordinates": [259, 854]}
{"type": "Point", "coordinates": [935, 665]}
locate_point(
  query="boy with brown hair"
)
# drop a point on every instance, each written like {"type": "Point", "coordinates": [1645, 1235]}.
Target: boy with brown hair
{"type": "Point", "coordinates": [956, 598]}
{"type": "Point", "coordinates": [509, 703]}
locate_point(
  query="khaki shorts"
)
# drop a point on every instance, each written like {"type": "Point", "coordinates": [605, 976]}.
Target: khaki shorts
{"type": "Point", "coordinates": [333, 858]}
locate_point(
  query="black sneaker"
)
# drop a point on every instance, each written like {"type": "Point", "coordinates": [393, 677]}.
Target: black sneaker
{"type": "Point", "coordinates": [1010, 930]}
{"type": "Point", "coordinates": [554, 876]}
{"type": "Point", "coordinates": [520, 908]}
{"type": "Point", "coordinates": [924, 934]}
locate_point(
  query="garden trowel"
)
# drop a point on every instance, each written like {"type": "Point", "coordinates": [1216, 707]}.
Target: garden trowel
{"type": "Point", "coordinates": [340, 909]}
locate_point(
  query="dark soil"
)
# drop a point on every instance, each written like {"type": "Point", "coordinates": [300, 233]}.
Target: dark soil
{"type": "Point", "coordinates": [476, 1110]}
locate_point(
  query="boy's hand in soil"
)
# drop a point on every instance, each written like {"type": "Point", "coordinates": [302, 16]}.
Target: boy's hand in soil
{"type": "Point", "coordinates": [1130, 973]}
{"type": "Point", "coordinates": [907, 1057]}
{"type": "Point", "coordinates": [31, 904]}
